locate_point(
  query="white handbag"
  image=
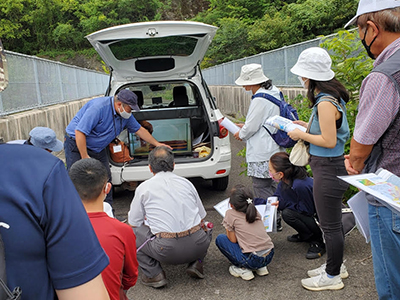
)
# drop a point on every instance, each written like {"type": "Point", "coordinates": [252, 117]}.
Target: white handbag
{"type": "Point", "coordinates": [300, 154]}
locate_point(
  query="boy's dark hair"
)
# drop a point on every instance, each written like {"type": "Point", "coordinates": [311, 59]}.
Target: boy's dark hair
{"type": "Point", "coordinates": [281, 163]}
{"type": "Point", "coordinates": [266, 84]}
{"type": "Point", "coordinates": [161, 159]}
{"type": "Point", "coordinates": [332, 87]}
{"type": "Point", "coordinates": [89, 177]}
{"type": "Point", "coordinates": [238, 198]}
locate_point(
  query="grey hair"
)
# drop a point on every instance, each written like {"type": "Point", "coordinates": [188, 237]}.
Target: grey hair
{"type": "Point", "coordinates": [387, 20]}
{"type": "Point", "coordinates": [161, 159]}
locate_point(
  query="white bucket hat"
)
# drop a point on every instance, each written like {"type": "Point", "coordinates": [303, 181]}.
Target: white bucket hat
{"type": "Point", "coordinates": [251, 74]}
{"type": "Point", "coordinates": [368, 6]}
{"type": "Point", "coordinates": [314, 63]}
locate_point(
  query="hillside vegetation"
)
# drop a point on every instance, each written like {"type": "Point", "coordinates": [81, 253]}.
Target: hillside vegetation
{"type": "Point", "coordinates": [56, 28]}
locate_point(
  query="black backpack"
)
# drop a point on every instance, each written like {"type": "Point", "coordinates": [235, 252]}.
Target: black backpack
{"type": "Point", "coordinates": [286, 111]}
{"type": "Point", "coordinates": [5, 293]}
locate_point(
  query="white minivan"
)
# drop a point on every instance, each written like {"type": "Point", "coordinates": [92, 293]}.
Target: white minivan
{"type": "Point", "coordinates": [160, 63]}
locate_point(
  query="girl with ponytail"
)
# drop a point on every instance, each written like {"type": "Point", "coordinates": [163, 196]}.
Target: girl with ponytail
{"type": "Point", "coordinates": [246, 243]}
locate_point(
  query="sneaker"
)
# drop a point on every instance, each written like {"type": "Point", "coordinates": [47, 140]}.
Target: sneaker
{"type": "Point", "coordinates": [322, 282]}
{"type": "Point", "coordinates": [279, 222]}
{"type": "Point", "coordinates": [262, 271]}
{"type": "Point", "coordinates": [318, 271]}
{"type": "Point", "coordinates": [316, 250]}
{"type": "Point", "coordinates": [295, 238]}
{"type": "Point", "coordinates": [246, 274]}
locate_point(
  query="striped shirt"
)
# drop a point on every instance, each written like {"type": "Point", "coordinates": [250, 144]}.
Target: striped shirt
{"type": "Point", "coordinates": [379, 102]}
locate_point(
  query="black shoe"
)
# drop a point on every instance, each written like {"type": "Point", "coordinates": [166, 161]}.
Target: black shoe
{"type": "Point", "coordinates": [295, 238]}
{"type": "Point", "coordinates": [195, 269]}
{"type": "Point", "coordinates": [156, 282]}
{"type": "Point", "coordinates": [316, 250]}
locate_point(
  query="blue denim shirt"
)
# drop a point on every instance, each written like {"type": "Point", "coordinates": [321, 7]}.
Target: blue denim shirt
{"type": "Point", "coordinates": [343, 132]}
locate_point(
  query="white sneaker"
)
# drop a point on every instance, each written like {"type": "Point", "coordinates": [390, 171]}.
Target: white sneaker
{"type": "Point", "coordinates": [246, 274]}
{"type": "Point", "coordinates": [322, 283]}
{"type": "Point", "coordinates": [262, 271]}
{"type": "Point", "coordinates": [318, 271]}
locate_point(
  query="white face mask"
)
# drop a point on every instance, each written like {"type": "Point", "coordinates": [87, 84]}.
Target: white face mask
{"type": "Point", "coordinates": [249, 92]}
{"type": "Point", "coordinates": [302, 82]}
{"type": "Point", "coordinates": [124, 114]}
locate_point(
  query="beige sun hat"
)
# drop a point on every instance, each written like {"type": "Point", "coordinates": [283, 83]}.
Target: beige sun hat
{"type": "Point", "coordinates": [251, 74]}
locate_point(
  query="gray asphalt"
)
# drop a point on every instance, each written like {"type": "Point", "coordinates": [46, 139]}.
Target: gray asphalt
{"type": "Point", "coordinates": [287, 268]}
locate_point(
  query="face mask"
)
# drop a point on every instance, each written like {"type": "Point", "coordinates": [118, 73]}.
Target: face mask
{"type": "Point", "coordinates": [368, 47]}
{"type": "Point", "coordinates": [302, 82]}
{"type": "Point", "coordinates": [124, 114]}
{"type": "Point", "coordinates": [272, 176]}
{"type": "Point", "coordinates": [249, 92]}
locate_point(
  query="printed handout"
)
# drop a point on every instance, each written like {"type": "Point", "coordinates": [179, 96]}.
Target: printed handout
{"type": "Point", "coordinates": [284, 124]}
{"type": "Point", "coordinates": [267, 211]}
{"type": "Point", "coordinates": [228, 124]}
{"type": "Point", "coordinates": [384, 185]}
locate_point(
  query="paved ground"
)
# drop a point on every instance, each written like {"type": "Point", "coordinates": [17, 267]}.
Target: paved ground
{"type": "Point", "coordinates": [287, 268]}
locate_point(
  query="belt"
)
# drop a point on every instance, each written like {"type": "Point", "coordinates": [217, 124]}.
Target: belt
{"type": "Point", "coordinates": [170, 235]}
{"type": "Point", "coordinates": [69, 136]}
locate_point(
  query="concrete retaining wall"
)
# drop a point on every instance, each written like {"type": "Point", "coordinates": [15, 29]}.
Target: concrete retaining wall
{"type": "Point", "coordinates": [56, 117]}
{"type": "Point", "coordinates": [231, 100]}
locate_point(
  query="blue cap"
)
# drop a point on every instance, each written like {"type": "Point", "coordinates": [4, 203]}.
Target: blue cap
{"type": "Point", "coordinates": [45, 138]}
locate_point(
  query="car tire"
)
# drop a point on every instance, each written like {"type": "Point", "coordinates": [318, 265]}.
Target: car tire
{"type": "Point", "coordinates": [220, 184]}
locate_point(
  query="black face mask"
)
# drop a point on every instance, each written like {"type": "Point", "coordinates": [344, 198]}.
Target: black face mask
{"type": "Point", "coordinates": [368, 47]}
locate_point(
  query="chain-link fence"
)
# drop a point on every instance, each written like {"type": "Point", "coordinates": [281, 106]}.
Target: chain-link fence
{"type": "Point", "coordinates": [276, 65]}
{"type": "Point", "coordinates": [36, 82]}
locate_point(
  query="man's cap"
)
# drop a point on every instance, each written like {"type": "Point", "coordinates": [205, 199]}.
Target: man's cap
{"type": "Point", "coordinates": [368, 6]}
{"type": "Point", "coordinates": [45, 138]}
{"type": "Point", "coordinates": [314, 63]}
{"type": "Point", "coordinates": [128, 97]}
{"type": "Point", "coordinates": [251, 74]}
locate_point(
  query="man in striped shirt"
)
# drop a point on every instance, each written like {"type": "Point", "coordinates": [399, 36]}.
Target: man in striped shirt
{"type": "Point", "coordinates": [376, 139]}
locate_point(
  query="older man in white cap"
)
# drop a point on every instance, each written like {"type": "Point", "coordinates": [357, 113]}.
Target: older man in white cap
{"type": "Point", "coordinates": [259, 144]}
{"type": "Point", "coordinates": [376, 138]}
{"type": "Point", "coordinates": [42, 137]}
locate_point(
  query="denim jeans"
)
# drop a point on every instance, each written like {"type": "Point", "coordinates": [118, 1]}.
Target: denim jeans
{"type": "Point", "coordinates": [385, 244]}
{"type": "Point", "coordinates": [235, 255]}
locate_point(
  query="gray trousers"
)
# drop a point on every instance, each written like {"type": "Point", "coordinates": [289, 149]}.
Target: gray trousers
{"type": "Point", "coordinates": [263, 187]}
{"type": "Point", "coordinates": [173, 251]}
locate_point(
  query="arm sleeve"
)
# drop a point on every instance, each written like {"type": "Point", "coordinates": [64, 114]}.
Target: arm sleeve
{"type": "Point", "coordinates": [130, 271]}
{"type": "Point", "coordinates": [202, 211]}
{"type": "Point", "coordinates": [254, 118]}
{"type": "Point", "coordinates": [136, 211]}
{"type": "Point", "coordinates": [228, 221]}
{"type": "Point", "coordinates": [304, 193]}
{"type": "Point", "coordinates": [74, 254]}
{"type": "Point", "coordinates": [133, 125]}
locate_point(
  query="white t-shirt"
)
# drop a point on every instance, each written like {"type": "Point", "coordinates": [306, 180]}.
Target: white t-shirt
{"type": "Point", "coordinates": [169, 202]}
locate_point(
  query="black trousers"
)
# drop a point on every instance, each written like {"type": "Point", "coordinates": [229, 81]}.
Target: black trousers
{"type": "Point", "coordinates": [306, 226]}
{"type": "Point", "coordinates": [328, 196]}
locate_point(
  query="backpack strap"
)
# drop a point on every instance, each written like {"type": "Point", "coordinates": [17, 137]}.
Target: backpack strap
{"type": "Point", "coordinates": [273, 100]}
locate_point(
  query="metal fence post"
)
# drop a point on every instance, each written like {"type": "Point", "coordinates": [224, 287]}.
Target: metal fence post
{"type": "Point", "coordinates": [37, 83]}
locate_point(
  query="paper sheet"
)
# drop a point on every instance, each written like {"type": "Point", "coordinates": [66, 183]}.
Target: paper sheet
{"type": "Point", "coordinates": [228, 124]}
{"type": "Point", "coordinates": [359, 205]}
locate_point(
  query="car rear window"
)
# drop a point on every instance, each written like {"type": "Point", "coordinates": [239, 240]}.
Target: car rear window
{"type": "Point", "coordinates": [164, 46]}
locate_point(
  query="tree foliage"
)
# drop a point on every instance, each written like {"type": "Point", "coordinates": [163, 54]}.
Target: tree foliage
{"type": "Point", "coordinates": [246, 27]}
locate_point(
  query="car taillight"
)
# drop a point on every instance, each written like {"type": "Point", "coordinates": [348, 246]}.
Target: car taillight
{"type": "Point", "coordinates": [223, 132]}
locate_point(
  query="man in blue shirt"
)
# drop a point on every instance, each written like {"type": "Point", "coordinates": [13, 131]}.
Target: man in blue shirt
{"type": "Point", "coordinates": [50, 246]}
{"type": "Point", "coordinates": [98, 123]}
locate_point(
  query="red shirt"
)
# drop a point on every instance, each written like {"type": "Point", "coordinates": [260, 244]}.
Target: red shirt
{"type": "Point", "coordinates": [119, 242]}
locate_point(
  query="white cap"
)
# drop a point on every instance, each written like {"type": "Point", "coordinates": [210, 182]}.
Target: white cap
{"type": "Point", "coordinates": [251, 74]}
{"type": "Point", "coordinates": [314, 63]}
{"type": "Point", "coordinates": [368, 6]}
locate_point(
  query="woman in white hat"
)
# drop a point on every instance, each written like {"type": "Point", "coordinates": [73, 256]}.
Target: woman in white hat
{"type": "Point", "coordinates": [259, 144]}
{"type": "Point", "coordinates": [328, 133]}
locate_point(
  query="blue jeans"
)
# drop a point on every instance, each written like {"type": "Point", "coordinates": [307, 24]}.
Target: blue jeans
{"type": "Point", "coordinates": [385, 245]}
{"type": "Point", "coordinates": [235, 255]}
